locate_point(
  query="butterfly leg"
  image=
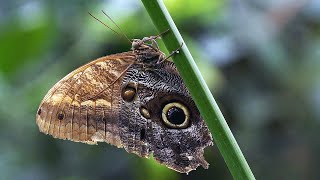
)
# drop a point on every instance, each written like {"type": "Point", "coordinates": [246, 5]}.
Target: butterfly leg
{"type": "Point", "coordinates": [153, 38]}
{"type": "Point", "coordinates": [161, 59]}
{"type": "Point", "coordinates": [154, 44]}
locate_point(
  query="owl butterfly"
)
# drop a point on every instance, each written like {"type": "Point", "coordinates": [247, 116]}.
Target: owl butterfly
{"type": "Point", "coordinates": [134, 100]}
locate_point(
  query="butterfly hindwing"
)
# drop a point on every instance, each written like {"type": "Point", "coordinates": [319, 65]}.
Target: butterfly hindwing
{"type": "Point", "coordinates": [143, 133]}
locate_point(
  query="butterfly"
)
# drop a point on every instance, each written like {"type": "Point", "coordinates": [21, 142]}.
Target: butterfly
{"type": "Point", "coordinates": [134, 100]}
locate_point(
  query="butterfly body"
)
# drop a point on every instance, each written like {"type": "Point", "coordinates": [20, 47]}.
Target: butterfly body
{"type": "Point", "coordinates": [135, 100]}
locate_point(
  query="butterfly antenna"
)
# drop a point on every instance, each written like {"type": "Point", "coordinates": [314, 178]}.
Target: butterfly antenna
{"type": "Point", "coordinates": [105, 25]}
{"type": "Point", "coordinates": [162, 33]}
{"type": "Point", "coordinates": [123, 34]}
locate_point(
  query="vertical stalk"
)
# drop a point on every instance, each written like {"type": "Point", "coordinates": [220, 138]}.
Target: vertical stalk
{"type": "Point", "coordinates": [200, 93]}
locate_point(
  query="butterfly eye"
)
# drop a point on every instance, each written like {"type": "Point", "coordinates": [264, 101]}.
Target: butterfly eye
{"type": "Point", "coordinates": [176, 115]}
{"type": "Point", "coordinates": [128, 92]}
{"type": "Point", "coordinates": [136, 43]}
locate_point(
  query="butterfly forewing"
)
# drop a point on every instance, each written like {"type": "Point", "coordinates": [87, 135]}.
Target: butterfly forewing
{"type": "Point", "coordinates": [81, 107]}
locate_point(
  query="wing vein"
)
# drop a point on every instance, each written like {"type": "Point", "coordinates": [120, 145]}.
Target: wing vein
{"type": "Point", "coordinates": [62, 98]}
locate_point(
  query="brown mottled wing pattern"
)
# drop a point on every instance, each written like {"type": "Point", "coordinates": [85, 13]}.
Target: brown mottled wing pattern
{"type": "Point", "coordinates": [82, 106]}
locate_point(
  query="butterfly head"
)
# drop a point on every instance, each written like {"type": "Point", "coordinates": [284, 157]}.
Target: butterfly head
{"type": "Point", "coordinates": [138, 44]}
{"type": "Point", "coordinates": [147, 53]}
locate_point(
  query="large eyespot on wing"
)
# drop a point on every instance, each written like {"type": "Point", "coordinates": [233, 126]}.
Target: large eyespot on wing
{"type": "Point", "coordinates": [83, 106]}
{"type": "Point", "coordinates": [175, 115]}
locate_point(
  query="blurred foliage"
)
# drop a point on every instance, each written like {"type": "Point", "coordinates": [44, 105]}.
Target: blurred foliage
{"type": "Point", "coordinates": [260, 59]}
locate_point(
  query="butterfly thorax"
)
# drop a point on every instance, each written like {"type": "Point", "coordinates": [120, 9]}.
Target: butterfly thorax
{"type": "Point", "coordinates": [148, 54]}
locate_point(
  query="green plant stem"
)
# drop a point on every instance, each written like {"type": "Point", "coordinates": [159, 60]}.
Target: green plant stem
{"type": "Point", "coordinates": [200, 93]}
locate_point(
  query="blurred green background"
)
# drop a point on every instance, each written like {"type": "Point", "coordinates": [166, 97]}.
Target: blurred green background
{"type": "Point", "coordinates": [261, 59]}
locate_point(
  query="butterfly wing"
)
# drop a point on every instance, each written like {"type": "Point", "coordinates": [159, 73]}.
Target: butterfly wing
{"type": "Point", "coordinates": [83, 106]}
{"type": "Point", "coordinates": [144, 133]}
